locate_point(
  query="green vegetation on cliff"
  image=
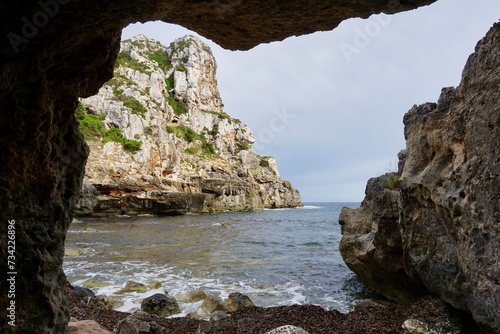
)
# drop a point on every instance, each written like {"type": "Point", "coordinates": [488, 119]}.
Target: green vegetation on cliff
{"type": "Point", "coordinates": [125, 59]}
{"type": "Point", "coordinates": [188, 134]}
{"type": "Point", "coordinates": [179, 106]}
{"type": "Point", "coordinates": [93, 129]}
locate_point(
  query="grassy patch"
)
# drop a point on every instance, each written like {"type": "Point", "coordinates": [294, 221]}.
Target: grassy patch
{"type": "Point", "coordinates": [180, 68]}
{"type": "Point", "coordinates": [188, 134]}
{"type": "Point", "coordinates": [125, 59]}
{"type": "Point", "coordinates": [162, 58]}
{"type": "Point", "coordinates": [136, 106]}
{"type": "Point", "coordinates": [169, 82]}
{"type": "Point", "coordinates": [390, 181]}
{"type": "Point", "coordinates": [193, 149]}
{"type": "Point", "coordinates": [179, 106]}
{"type": "Point", "coordinates": [91, 126]}
{"type": "Point", "coordinates": [264, 160]}
{"type": "Point", "coordinates": [115, 135]}
{"type": "Point", "coordinates": [242, 146]}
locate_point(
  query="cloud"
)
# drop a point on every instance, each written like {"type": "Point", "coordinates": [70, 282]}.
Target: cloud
{"type": "Point", "coordinates": [348, 107]}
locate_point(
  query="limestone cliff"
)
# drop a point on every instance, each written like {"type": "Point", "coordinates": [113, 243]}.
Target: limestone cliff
{"type": "Point", "coordinates": [160, 141]}
{"type": "Point", "coordinates": [448, 198]}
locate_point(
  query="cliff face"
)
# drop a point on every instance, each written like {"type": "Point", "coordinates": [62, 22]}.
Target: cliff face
{"type": "Point", "coordinates": [161, 143]}
{"type": "Point", "coordinates": [449, 193]}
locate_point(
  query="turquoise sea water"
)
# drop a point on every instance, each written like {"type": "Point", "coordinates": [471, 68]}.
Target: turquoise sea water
{"type": "Point", "coordinates": [276, 257]}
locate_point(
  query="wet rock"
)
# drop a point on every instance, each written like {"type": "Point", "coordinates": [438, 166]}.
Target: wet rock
{"type": "Point", "coordinates": [191, 296]}
{"type": "Point", "coordinates": [154, 285]}
{"type": "Point", "coordinates": [95, 284]}
{"type": "Point", "coordinates": [105, 302]}
{"type": "Point", "coordinates": [74, 251]}
{"type": "Point", "coordinates": [84, 292]}
{"type": "Point", "coordinates": [160, 305]}
{"type": "Point", "coordinates": [237, 301]}
{"type": "Point", "coordinates": [132, 286]}
{"type": "Point", "coordinates": [212, 304]}
{"type": "Point", "coordinates": [139, 323]}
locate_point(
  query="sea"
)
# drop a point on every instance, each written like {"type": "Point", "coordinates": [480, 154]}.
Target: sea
{"type": "Point", "coordinates": [276, 256]}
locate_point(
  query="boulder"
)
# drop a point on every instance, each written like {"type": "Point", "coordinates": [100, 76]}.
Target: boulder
{"type": "Point", "coordinates": [211, 327]}
{"type": "Point", "coordinates": [218, 315]}
{"type": "Point", "coordinates": [160, 305]}
{"type": "Point", "coordinates": [237, 301]}
{"type": "Point", "coordinates": [191, 296]}
{"type": "Point", "coordinates": [288, 329]}
{"type": "Point", "coordinates": [371, 243]}
{"type": "Point", "coordinates": [444, 326]}
{"type": "Point", "coordinates": [131, 286]}
{"type": "Point", "coordinates": [212, 304]}
{"type": "Point", "coordinates": [85, 327]}
{"type": "Point", "coordinates": [84, 292]}
{"type": "Point", "coordinates": [154, 285]}
{"type": "Point", "coordinates": [139, 323]}
{"type": "Point", "coordinates": [105, 302]}
{"type": "Point", "coordinates": [95, 284]}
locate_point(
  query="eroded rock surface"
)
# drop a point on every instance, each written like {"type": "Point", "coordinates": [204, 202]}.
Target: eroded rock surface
{"type": "Point", "coordinates": [449, 195]}
{"type": "Point", "coordinates": [371, 245]}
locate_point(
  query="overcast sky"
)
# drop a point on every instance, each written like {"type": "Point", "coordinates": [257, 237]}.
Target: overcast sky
{"type": "Point", "coordinates": [329, 106]}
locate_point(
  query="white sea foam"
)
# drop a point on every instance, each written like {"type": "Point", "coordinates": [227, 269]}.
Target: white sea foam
{"type": "Point", "coordinates": [309, 207]}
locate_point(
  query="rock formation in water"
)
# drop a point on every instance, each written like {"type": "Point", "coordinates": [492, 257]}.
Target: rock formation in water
{"type": "Point", "coordinates": [53, 52]}
{"type": "Point", "coordinates": [161, 143]}
{"type": "Point", "coordinates": [449, 199]}
{"type": "Point", "coordinates": [371, 245]}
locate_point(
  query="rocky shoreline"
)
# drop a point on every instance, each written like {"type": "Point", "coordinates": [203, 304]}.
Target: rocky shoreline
{"type": "Point", "coordinates": [428, 314]}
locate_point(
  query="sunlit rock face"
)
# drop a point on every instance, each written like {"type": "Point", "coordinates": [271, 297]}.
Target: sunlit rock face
{"type": "Point", "coordinates": [160, 142]}
{"type": "Point", "coordinates": [55, 51]}
{"type": "Point", "coordinates": [446, 227]}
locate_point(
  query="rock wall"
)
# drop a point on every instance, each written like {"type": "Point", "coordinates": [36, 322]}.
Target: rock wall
{"type": "Point", "coordinates": [449, 195]}
{"type": "Point", "coordinates": [161, 143]}
{"type": "Point", "coordinates": [371, 245]}
{"type": "Point", "coordinates": [70, 53]}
